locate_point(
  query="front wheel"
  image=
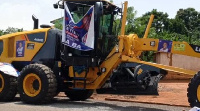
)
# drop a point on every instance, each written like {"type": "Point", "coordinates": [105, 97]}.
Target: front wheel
{"type": "Point", "coordinates": [79, 95]}
{"type": "Point", "coordinates": [193, 91]}
{"type": "Point", "coordinates": [37, 84]}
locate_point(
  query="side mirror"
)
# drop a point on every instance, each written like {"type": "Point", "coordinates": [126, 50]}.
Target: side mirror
{"type": "Point", "coordinates": [55, 6]}
{"type": "Point", "coordinates": [61, 6]}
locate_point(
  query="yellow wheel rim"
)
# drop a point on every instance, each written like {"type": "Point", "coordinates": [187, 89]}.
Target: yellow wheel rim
{"type": "Point", "coordinates": [198, 93]}
{"type": "Point", "coordinates": [32, 85]}
{"type": "Point", "coordinates": [1, 83]}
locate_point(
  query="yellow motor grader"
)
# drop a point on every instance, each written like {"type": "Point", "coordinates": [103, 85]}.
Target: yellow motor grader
{"type": "Point", "coordinates": [80, 58]}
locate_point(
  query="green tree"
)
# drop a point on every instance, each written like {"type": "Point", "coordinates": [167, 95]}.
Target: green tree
{"type": "Point", "coordinates": [189, 17]}
{"type": "Point", "coordinates": [161, 20]}
{"type": "Point", "coordinates": [10, 30]}
{"type": "Point", "coordinates": [139, 26]}
{"type": "Point", "coordinates": [131, 13]}
{"type": "Point", "coordinates": [116, 26]}
{"type": "Point", "coordinates": [58, 24]}
{"type": "Point", "coordinates": [190, 24]}
{"type": "Point", "coordinates": [1, 32]}
{"type": "Point", "coordinates": [176, 26]}
{"type": "Point", "coordinates": [184, 27]}
{"type": "Point", "coordinates": [160, 24]}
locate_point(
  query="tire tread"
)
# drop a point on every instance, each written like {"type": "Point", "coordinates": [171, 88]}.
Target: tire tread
{"type": "Point", "coordinates": [52, 83]}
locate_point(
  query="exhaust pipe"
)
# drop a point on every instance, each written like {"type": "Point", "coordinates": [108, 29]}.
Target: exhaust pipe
{"type": "Point", "coordinates": [36, 22]}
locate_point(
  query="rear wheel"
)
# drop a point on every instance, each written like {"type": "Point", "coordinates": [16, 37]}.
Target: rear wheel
{"type": "Point", "coordinates": [37, 84]}
{"type": "Point", "coordinates": [79, 95]}
{"type": "Point", "coordinates": [193, 91]}
{"type": "Point", "coordinates": [8, 87]}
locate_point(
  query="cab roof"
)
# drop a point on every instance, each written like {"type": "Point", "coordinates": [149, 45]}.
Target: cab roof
{"type": "Point", "coordinates": [104, 1]}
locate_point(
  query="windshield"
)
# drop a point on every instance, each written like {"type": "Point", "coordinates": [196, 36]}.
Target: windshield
{"type": "Point", "coordinates": [105, 34]}
{"type": "Point", "coordinates": [77, 11]}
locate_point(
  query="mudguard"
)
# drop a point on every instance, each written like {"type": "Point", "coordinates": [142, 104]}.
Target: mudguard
{"type": "Point", "coordinates": [142, 70]}
{"type": "Point", "coordinates": [8, 69]}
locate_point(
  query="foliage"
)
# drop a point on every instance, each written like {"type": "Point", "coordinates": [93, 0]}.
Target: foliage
{"type": "Point", "coordinates": [58, 25]}
{"type": "Point", "coordinates": [10, 30]}
{"type": "Point", "coordinates": [184, 27]}
{"type": "Point", "coordinates": [1, 32]}
{"type": "Point", "coordinates": [130, 19]}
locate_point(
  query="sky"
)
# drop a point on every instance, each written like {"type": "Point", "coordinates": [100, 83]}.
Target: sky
{"type": "Point", "coordinates": [17, 13]}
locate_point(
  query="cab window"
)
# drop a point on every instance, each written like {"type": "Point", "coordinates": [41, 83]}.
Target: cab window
{"type": "Point", "coordinates": [1, 47]}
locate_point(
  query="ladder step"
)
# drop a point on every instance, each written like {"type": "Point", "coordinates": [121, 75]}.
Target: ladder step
{"type": "Point", "coordinates": [79, 78]}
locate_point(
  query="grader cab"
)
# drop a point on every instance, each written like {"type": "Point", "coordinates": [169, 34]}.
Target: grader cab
{"type": "Point", "coordinates": [90, 53]}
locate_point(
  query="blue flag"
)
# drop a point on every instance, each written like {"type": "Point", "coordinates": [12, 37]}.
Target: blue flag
{"type": "Point", "coordinates": [79, 35]}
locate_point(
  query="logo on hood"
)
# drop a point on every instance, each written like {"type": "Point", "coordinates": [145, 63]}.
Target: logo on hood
{"type": "Point", "coordinates": [38, 40]}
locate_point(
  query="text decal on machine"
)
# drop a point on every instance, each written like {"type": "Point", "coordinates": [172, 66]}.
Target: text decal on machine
{"type": "Point", "coordinates": [79, 35]}
{"type": "Point", "coordinates": [196, 48]}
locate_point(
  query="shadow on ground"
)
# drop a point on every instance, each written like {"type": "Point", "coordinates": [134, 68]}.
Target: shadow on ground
{"type": "Point", "coordinates": [89, 104]}
{"type": "Point", "coordinates": [16, 99]}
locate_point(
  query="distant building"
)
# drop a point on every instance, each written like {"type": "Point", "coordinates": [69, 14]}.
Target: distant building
{"type": "Point", "coordinates": [181, 61]}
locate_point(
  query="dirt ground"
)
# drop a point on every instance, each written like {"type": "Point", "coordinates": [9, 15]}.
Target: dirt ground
{"type": "Point", "coordinates": [171, 92]}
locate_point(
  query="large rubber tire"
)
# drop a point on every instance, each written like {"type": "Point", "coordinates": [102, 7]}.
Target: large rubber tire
{"type": "Point", "coordinates": [79, 95]}
{"type": "Point", "coordinates": [43, 87]}
{"type": "Point", "coordinates": [193, 91]}
{"type": "Point", "coordinates": [8, 87]}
